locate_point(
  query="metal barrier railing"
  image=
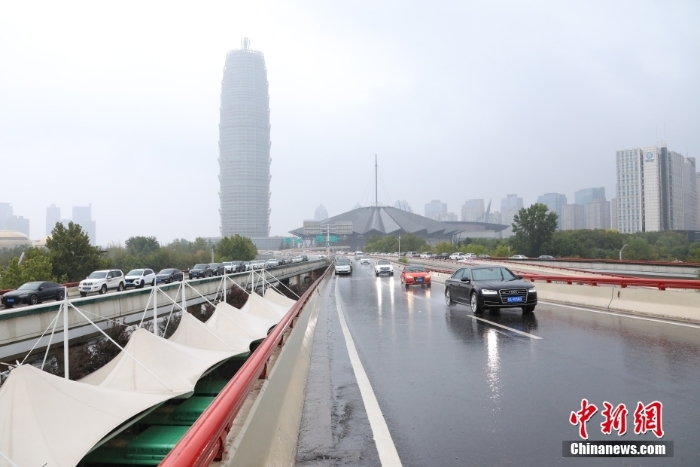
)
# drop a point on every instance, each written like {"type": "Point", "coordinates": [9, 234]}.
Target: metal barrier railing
{"type": "Point", "coordinates": [206, 439]}
{"type": "Point", "coordinates": [622, 282]}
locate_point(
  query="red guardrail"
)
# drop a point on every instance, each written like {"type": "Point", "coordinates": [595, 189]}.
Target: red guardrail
{"type": "Point", "coordinates": [206, 438]}
{"type": "Point", "coordinates": [622, 282]}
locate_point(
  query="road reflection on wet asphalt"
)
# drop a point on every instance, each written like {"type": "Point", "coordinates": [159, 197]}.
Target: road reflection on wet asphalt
{"type": "Point", "coordinates": [459, 391]}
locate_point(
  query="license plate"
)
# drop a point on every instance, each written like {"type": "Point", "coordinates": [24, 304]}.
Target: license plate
{"type": "Point", "coordinates": [515, 299]}
{"type": "Point", "coordinates": [419, 279]}
{"type": "Point", "coordinates": [10, 300]}
{"type": "Point", "coordinates": [86, 288]}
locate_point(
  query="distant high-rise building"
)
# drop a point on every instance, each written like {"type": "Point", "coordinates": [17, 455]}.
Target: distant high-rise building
{"type": "Point", "coordinates": [494, 218]}
{"type": "Point", "coordinates": [53, 216]}
{"type": "Point", "coordinates": [613, 214]}
{"type": "Point", "coordinates": [554, 202]}
{"type": "Point", "coordinates": [446, 217]}
{"type": "Point", "coordinates": [697, 190]}
{"type": "Point", "coordinates": [690, 195]}
{"type": "Point", "coordinates": [5, 215]}
{"type": "Point", "coordinates": [8, 221]}
{"type": "Point", "coordinates": [650, 192]}
{"type": "Point", "coordinates": [597, 214]}
{"type": "Point", "coordinates": [588, 195]}
{"type": "Point", "coordinates": [403, 205]}
{"type": "Point", "coordinates": [435, 208]}
{"type": "Point", "coordinates": [321, 213]}
{"type": "Point", "coordinates": [82, 215]}
{"type": "Point", "coordinates": [510, 205]}
{"type": "Point", "coordinates": [573, 217]}
{"type": "Point", "coordinates": [244, 145]}
{"type": "Point", "coordinates": [473, 210]}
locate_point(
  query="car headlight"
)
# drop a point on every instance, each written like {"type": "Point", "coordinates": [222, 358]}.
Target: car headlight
{"type": "Point", "coordinates": [489, 292]}
{"type": "Point", "coordinates": [532, 290]}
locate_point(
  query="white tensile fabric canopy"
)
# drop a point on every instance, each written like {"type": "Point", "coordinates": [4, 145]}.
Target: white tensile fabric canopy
{"type": "Point", "coordinates": [169, 367]}
{"type": "Point", "coordinates": [194, 333]}
{"type": "Point", "coordinates": [258, 306]}
{"type": "Point", "coordinates": [276, 297]}
{"type": "Point", "coordinates": [228, 320]}
{"type": "Point", "coordinates": [49, 420]}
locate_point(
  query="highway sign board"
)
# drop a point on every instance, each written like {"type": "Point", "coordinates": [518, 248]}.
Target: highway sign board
{"type": "Point", "coordinates": [320, 238]}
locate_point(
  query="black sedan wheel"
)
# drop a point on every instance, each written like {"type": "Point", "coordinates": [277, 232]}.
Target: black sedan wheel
{"type": "Point", "coordinates": [474, 304]}
{"type": "Point", "coordinates": [33, 300]}
{"type": "Point", "coordinates": [448, 297]}
{"type": "Point", "coordinates": [59, 296]}
{"type": "Point", "coordinates": [528, 309]}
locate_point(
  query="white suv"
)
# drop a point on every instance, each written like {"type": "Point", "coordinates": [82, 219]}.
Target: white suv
{"type": "Point", "coordinates": [138, 278]}
{"type": "Point", "coordinates": [101, 281]}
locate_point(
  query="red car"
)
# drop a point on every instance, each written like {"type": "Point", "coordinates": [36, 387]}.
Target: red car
{"type": "Point", "coordinates": [415, 275]}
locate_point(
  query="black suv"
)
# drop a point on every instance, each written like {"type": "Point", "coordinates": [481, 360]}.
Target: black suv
{"type": "Point", "coordinates": [482, 287]}
{"type": "Point", "coordinates": [201, 270]}
{"type": "Point", "coordinates": [218, 268]}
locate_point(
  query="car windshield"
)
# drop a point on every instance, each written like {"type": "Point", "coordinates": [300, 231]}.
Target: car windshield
{"type": "Point", "coordinates": [135, 272]}
{"type": "Point", "coordinates": [342, 261]}
{"type": "Point", "coordinates": [492, 274]}
{"type": "Point", "coordinates": [415, 269]}
{"type": "Point", "coordinates": [29, 286]}
{"type": "Point", "coordinates": [98, 275]}
{"type": "Point", "coordinates": [383, 261]}
{"type": "Point", "coordinates": [200, 266]}
{"type": "Point", "coordinates": [165, 271]}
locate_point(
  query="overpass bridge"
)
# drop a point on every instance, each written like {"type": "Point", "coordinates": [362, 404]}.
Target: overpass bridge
{"type": "Point", "coordinates": [363, 371]}
{"type": "Point", "coordinates": [23, 329]}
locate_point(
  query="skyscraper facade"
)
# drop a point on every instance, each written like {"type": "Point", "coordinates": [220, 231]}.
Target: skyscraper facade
{"type": "Point", "coordinates": [651, 191]}
{"type": "Point", "coordinates": [435, 208]}
{"type": "Point", "coordinates": [555, 202]}
{"type": "Point", "coordinates": [588, 195]}
{"type": "Point", "coordinates": [321, 213]}
{"type": "Point", "coordinates": [53, 216]}
{"type": "Point", "coordinates": [244, 145]}
{"type": "Point", "coordinates": [690, 195]}
{"type": "Point", "coordinates": [82, 215]}
{"type": "Point", "coordinates": [473, 210]}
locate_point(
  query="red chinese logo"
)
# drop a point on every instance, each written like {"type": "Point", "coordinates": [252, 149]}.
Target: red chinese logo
{"type": "Point", "coordinates": [646, 418]}
{"type": "Point", "coordinates": [614, 419]}
{"type": "Point", "coordinates": [582, 416]}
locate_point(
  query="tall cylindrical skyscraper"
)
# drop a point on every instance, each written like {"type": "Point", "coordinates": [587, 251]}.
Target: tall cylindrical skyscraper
{"type": "Point", "coordinates": [244, 145]}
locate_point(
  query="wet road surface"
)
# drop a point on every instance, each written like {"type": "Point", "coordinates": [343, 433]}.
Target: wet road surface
{"type": "Point", "coordinates": [455, 390]}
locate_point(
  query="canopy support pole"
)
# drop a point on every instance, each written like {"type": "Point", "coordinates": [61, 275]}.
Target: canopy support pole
{"type": "Point", "coordinates": [66, 362]}
{"type": "Point", "coordinates": [155, 308]}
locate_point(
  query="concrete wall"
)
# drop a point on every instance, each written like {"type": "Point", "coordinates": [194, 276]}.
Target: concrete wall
{"type": "Point", "coordinates": [270, 433]}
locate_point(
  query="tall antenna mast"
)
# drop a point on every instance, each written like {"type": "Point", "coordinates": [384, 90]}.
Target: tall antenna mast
{"type": "Point", "coordinates": [376, 203]}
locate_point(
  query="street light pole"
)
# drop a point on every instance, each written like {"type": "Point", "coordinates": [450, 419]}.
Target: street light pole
{"type": "Point", "coordinates": [623, 247]}
{"type": "Point", "coordinates": [399, 246]}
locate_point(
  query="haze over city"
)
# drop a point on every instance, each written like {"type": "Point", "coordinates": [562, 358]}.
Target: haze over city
{"type": "Point", "coordinates": [118, 107]}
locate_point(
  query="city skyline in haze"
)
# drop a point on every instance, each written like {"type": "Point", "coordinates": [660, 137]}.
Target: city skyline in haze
{"type": "Point", "coordinates": [447, 97]}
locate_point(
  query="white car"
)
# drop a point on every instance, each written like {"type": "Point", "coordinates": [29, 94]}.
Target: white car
{"type": "Point", "coordinates": [272, 263]}
{"type": "Point", "coordinates": [425, 255]}
{"type": "Point", "coordinates": [383, 266]}
{"type": "Point", "coordinates": [139, 278]}
{"type": "Point", "coordinates": [456, 256]}
{"type": "Point", "coordinates": [518, 257]}
{"type": "Point", "coordinates": [364, 260]}
{"type": "Point", "coordinates": [102, 281]}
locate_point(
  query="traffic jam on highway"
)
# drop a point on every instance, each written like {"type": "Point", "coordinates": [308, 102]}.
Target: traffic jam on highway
{"type": "Point", "coordinates": [114, 280]}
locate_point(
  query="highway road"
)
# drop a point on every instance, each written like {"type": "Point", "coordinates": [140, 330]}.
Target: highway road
{"type": "Point", "coordinates": [444, 388]}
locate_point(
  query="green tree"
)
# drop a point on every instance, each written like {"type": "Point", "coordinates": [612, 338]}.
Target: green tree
{"type": "Point", "coordinates": [533, 227]}
{"type": "Point", "coordinates": [412, 242]}
{"type": "Point", "coordinates": [236, 247]}
{"type": "Point", "coordinates": [36, 266]}
{"type": "Point", "coordinates": [444, 247]}
{"type": "Point", "coordinates": [503, 250]}
{"type": "Point", "coordinates": [382, 244]}
{"type": "Point", "coordinates": [71, 254]}
{"type": "Point", "coordinates": [142, 245]}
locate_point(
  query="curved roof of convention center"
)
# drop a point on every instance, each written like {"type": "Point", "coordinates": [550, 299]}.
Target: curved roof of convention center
{"type": "Point", "coordinates": [386, 220]}
{"type": "Point", "coordinates": [11, 239]}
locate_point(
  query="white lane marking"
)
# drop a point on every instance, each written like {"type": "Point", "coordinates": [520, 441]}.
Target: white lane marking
{"type": "Point", "coordinates": [622, 315]}
{"type": "Point", "coordinates": [531, 336]}
{"type": "Point", "coordinates": [382, 438]}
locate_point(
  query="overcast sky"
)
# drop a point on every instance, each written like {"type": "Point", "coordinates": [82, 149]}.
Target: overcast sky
{"type": "Point", "coordinates": [118, 105]}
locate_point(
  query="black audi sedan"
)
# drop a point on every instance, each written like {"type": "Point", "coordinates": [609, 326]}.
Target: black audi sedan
{"type": "Point", "coordinates": [166, 276]}
{"type": "Point", "coordinates": [482, 287]}
{"type": "Point", "coordinates": [32, 293]}
{"type": "Point", "coordinates": [201, 270]}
